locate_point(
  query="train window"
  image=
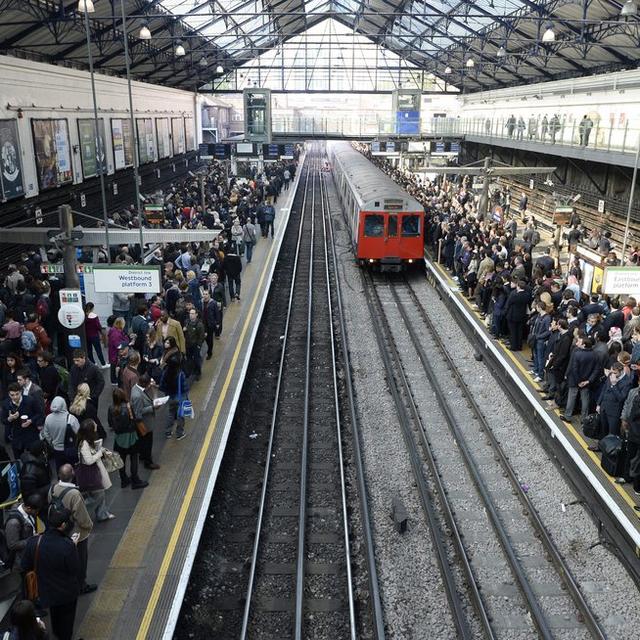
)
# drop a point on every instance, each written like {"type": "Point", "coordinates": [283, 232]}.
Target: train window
{"type": "Point", "coordinates": [373, 226]}
{"type": "Point", "coordinates": [410, 225]}
{"type": "Point", "coordinates": [392, 228]}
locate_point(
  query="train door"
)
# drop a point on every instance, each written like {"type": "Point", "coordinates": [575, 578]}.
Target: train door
{"type": "Point", "coordinates": [392, 236]}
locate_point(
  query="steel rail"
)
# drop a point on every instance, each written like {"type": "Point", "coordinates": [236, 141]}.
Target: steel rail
{"type": "Point", "coordinates": [365, 514]}
{"type": "Point", "coordinates": [336, 400]}
{"type": "Point", "coordinates": [519, 573]}
{"type": "Point", "coordinates": [304, 461]}
{"type": "Point", "coordinates": [426, 498]}
{"type": "Point", "coordinates": [276, 402]}
{"type": "Point", "coordinates": [554, 554]}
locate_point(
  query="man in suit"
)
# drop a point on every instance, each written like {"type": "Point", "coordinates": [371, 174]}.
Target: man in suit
{"type": "Point", "coordinates": [583, 373]}
{"type": "Point", "coordinates": [85, 371]}
{"type": "Point", "coordinates": [31, 390]}
{"type": "Point", "coordinates": [516, 311]}
{"type": "Point", "coordinates": [143, 410]}
{"type": "Point", "coordinates": [167, 326]}
{"type": "Point", "coordinates": [559, 357]}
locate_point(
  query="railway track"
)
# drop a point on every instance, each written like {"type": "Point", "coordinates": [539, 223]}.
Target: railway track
{"type": "Point", "coordinates": [483, 526]}
{"type": "Point", "coordinates": [300, 581]}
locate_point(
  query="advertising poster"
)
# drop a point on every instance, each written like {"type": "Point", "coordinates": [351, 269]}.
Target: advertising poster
{"type": "Point", "coordinates": [177, 131]}
{"type": "Point", "coordinates": [164, 140]}
{"type": "Point", "coordinates": [10, 164]}
{"type": "Point", "coordinates": [122, 139]}
{"type": "Point", "coordinates": [53, 154]}
{"type": "Point", "coordinates": [190, 134]}
{"type": "Point", "coordinates": [146, 145]}
{"type": "Point", "coordinates": [92, 147]}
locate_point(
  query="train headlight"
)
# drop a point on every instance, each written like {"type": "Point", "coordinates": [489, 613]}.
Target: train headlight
{"type": "Point", "coordinates": [371, 260]}
{"type": "Point", "coordinates": [410, 260]}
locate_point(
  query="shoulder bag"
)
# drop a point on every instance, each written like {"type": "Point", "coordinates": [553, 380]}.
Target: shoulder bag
{"type": "Point", "coordinates": [88, 477]}
{"type": "Point", "coordinates": [31, 577]}
{"type": "Point", "coordinates": [185, 407]}
{"type": "Point", "coordinates": [140, 427]}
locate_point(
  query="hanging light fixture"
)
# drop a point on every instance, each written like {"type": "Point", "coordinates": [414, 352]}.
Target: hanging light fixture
{"type": "Point", "coordinates": [549, 35]}
{"type": "Point", "coordinates": [86, 6]}
{"type": "Point", "coordinates": [629, 8]}
{"type": "Point", "coordinates": [219, 69]}
{"type": "Point", "coordinates": [203, 61]}
{"type": "Point", "coordinates": [470, 63]}
{"type": "Point", "coordinates": [180, 49]}
{"type": "Point", "coordinates": [447, 71]}
{"type": "Point", "coordinates": [145, 33]}
{"type": "Point", "coordinates": [501, 53]}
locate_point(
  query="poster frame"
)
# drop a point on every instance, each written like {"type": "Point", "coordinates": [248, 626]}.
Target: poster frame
{"type": "Point", "coordinates": [16, 131]}
{"type": "Point", "coordinates": [104, 144]}
{"type": "Point", "coordinates": [175, 139]}
{"type": "Point", "coordinates": [113, 145]}
{"type": "Point", "coordinates": [35, 155]}
{"type": "Point", "coordinates": [170, 145]}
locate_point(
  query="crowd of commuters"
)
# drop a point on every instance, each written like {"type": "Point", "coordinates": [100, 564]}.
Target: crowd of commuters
{"type": "Point", "coordinates": [584, 347]}
{"type": "Point", "coordinates": [64, 431]}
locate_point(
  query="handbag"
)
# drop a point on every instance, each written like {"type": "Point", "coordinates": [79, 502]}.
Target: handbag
{"type": "Point", "coordinates": [88, 477]}
{"type": "Point", "coordinates": [140, 427]}
{"type": "Point", "coordinates": [112, 461]}
{"type": "Point", "coordinates": [31, 577]}
{"type": "Point", "coordinates": [591, 425]}
{"type": "Point", "coordinates": [185, 407]}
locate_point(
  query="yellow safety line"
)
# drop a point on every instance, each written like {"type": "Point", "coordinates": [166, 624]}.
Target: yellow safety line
{"type": "Point", "coordinates": [186, 503]}
{"type": "Point", "coordinates": [576, 434]}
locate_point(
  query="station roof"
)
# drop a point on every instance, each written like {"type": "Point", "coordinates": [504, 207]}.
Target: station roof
{"type": "Point", "coordinates": [503, 38]}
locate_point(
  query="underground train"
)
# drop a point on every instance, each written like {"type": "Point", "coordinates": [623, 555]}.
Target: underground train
{"type": "Point", "coordinates": [385, 222]}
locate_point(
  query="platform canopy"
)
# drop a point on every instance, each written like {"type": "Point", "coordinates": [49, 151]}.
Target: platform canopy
{"type": "Point", "coordinates": [470, 45]}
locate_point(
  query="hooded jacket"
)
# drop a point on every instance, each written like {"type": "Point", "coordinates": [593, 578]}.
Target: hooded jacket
{"type": "Point", "coordinates": [55, 426]}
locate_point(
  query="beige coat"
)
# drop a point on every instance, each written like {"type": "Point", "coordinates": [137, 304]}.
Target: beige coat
{"type": "Point", "coordinates": [87, 455]}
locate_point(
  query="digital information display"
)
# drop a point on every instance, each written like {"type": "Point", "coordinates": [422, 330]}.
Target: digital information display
{"type": "Point", "coordinates": [288, 152]}
{"type": "Point", "coordinates": [53, 152]}
{"type": "Point", "coordinates": [221, 151]}
{"type": "Point", "coordinates": [246, 149]}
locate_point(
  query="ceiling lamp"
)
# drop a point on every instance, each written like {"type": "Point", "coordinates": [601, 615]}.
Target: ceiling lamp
{"type": "Point", "coordinates": [219, 69]}
{"type": "Point", "coordinates": [203, 61]}
{"type": "Point", "coordinates": [549, 35]}
{"type": "Point", "coordinates": [180, 50]}
{"type": "Point", "coordinates": [470, 63]}
{"type": "Point", "coordinates": [629, 8]}
{"type": "Point", "coordinates": [501, 53]}
{"type": "Point", "coordinates": [447, 71]}
{"type": "Point", "coordinates": [86, 6]}
{"type": "Point", "coordinates": [144, 34]}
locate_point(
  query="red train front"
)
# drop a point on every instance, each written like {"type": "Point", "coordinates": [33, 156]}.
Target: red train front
{"type": "Point", "coordinates": [386, 223]}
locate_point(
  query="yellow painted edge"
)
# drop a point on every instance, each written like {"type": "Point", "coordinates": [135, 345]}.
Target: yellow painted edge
{"type": "Point", "coordinates": [572, 430]}
{"type": "Point", "coordinates": [186, 503]}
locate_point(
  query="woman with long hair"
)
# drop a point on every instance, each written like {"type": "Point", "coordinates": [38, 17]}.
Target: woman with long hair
{"type": "Point", "coordinates": [153, 354]}
{"type": "Point", "coordinates": [96, 336]}
{"type": "Point", "coordinates": [9, 370]}
{"type": "Point", "coordinates": [84, 409]}
{"type": "Point", "coordinates": [90, 452]}
{"type": "Point", "coordinates": [126, 444]}
{"type": "Point", "coordinates": [171, 353]}
{"type": "Point", "coordinates": [174, 384]}
{"type": "Point", "coordinates": [25, 624]}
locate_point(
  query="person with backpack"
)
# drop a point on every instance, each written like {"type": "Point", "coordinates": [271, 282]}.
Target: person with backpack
{"type": "Point", "coordinates": [59, 432]}
{"type": "Point", "coordinates": [65, 495]}
{"type": "Point", "coordinates": [54, 558]}
{"type": "Point", "coordinates": [20, 523]}
{"type": "Point", "coordinates": [43, 341]}
{"type": "Point", "coordinates": [35, 473]}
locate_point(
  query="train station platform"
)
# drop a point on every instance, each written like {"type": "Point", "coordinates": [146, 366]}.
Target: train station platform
{"type": "Point", "coordinates": [614, 505]}
{"type": "Point", "coordinates": [142, 559]}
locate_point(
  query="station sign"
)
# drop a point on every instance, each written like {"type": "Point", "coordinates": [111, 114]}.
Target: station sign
{"type": "Point", "coordinates": [562, 215]}
{"type": "Point", "coordinates": [49, 268]}
{"type": "Point", "coordinates": [621, 281]}
{"type": "Point", "coordinates": [204, 152]}
{"type": "Point", "coordinates": [70, 296]}
{"type": "Point", "coordinates": [127, 279]}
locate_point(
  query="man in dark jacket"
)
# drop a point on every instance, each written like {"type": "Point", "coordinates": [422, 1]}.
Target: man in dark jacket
{"type": "Point", "coordinates": [558, 359]}
{"type": "Point", "coordinates": [614, 392]}
{"type": "Point", "coordinates": [232, 267]}
{"type": "Point", "coordinates": [516, 314]}
{"type": "Point", "coordinates": [212, 320]}
{"type": "Point", "coordinates": [35, 473]}
{"type": "Point", "coordinates": [85, 371]}
{"type": "Point", "coordinates": [194, 337]}
{"type": "Point", "coordinates": [615, 318]}
{"type": "Point", "coordinates": [20, 524]}
{"type": "Point", "coordinates": [216, 290]}
{"type": "Point", "coordinates": [54, 558]}
{"type": "Point", "coordinates": [21, 417]}
{"type": "Point", "coordinates": [582, 374]}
